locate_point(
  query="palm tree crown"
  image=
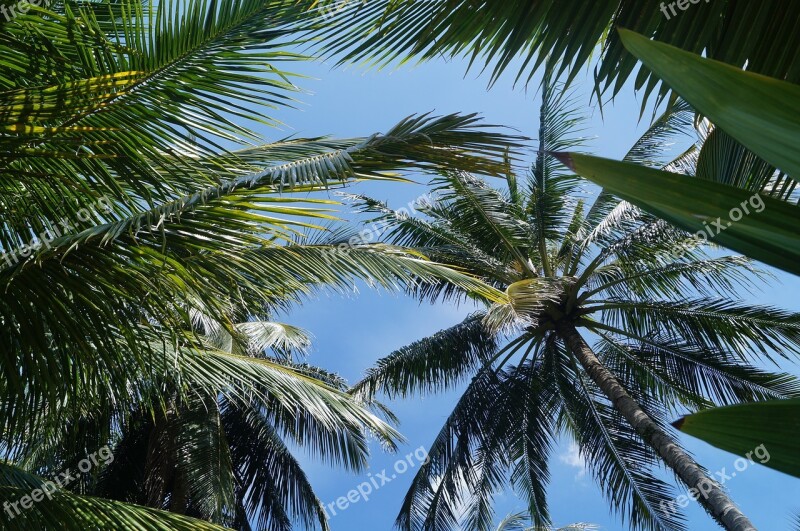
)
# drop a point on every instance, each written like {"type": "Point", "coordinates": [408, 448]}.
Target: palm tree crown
{"type": "Point", "coordinates": [663, 315]}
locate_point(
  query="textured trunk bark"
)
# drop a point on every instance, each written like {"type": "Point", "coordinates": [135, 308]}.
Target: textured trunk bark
{"type": "Point", "coordinates": [709, 492]}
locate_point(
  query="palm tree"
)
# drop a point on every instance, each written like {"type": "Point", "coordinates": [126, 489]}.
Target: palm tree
{"type": "Point", "coordinates": [134, 193]}
{"type": "Point", "coordinates": [226, 461]}
{"type": "Point", "coordinates": [668, 332]}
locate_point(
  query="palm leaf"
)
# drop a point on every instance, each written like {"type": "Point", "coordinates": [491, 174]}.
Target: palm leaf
{"type": "Point", "coordinates": [63, 510]}
{"type": "Point", "coordinates": [435, 363]}
{"type": "Point", "coordinates": [744, 429]}
{"type": "Point", "coordinates": [766, 234]}
{"type": "Point", "coordinates": [504, 34]}
{"type": "Point", "coordinates": [760, 112]}
{"type": "Point", "coordinates": [270, 479]}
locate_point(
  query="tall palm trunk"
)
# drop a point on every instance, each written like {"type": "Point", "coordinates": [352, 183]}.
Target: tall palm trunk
{"type": "Point", "coordinates": [715, 500]}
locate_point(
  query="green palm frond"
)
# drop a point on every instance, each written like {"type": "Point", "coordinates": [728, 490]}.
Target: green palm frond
{"type": "Point", "coordinates": [722, 159]}
{"type": "Point", "coordinates": [157, 263]}
{"type": "Point", "coordinates": [720, 324]}
{"type": "Point", "coordinates": [205, 470]}
{"type": "Point", "coordinates": [281, 338]}
{"type": "Point", "coordinates": [650, 149]}
{"type": "Point", "coordinates": [215, 449]}
{"type": "Point", "coordinates": [438, 238]}
{"type": "Point", "coordinates": [483, 214]}
{"type": "Point", "coordinates": [433, 364]}
{"type": "Point", "coordinates": [242, 378]}
{"type": "Point", "coordinates": [58, 509]}
{"type": "Point", "coordinates": [530, 472]}
{"type": "Point", "coordinates": [273, 488]}
{"type": "Point", "coordinates": [158, 90]}
{"type": "Point", "coordinates": [679, 373]}
{"type": "Point", "coordinates": [654, 147]}
{"type": "Point", "coordinates": [548, 194]}
{"type": "Point", "coordinates": [675, 278]}
{"type": "Point", "coordinates": [503, 34]}
{"type": "Point", "coordinates": [442, 482]}
{"type": "Point", "coordinates": [514, 522]}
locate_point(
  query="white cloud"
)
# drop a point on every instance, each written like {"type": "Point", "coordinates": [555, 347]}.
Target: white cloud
{"type": "Point", "coordinates": [573, 458]}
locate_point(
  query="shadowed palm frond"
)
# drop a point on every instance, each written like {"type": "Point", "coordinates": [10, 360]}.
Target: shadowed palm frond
{"type": "Point", "coordinates": [456, 352]}
{"type": "Point", "coordinates": [500, 35]}
{"type": "Point", "coordinates": [59, 509]}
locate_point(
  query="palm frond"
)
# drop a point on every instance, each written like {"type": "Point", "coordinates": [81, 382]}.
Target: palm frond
{"type": "Point", "coordinates": [57, 509]}
{"type": "Point", "coordinates": [609, 212]}
{"type": "Point", "coordinates": [268, 476]}
{"type": "Point", "coordinates": [500, 35]}
{"type": "Point", "coordinates": [724, 160]}
{"type": "Point", "coordinates": [676, 278]}
{"type": "Point", "coordinates": [719, 324]}
{"type": "Point", "coordinates": [432, 364]}
{"type": "Point", "coordinates": [677, 372]}
{"type": "Point", "coordinates": [437, 490]}
{"type": "Point", "coordinates": [617, 457]}
{"type": "Point", "coordinates": [482, 212]}
{"type": "Point", "coordinates": [157, 264]}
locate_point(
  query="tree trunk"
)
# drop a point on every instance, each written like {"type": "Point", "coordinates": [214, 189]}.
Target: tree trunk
{"type": "Point", "coordinates": [708, 492]}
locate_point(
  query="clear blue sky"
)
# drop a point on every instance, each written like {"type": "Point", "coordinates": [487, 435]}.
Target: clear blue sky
{"type": "Point", "coordinates": [351, 333]}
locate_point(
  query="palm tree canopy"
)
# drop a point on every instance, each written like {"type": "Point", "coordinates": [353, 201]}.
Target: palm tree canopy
{"type": "Point", "coordinates": [226, 460]}
{"type": "Point", "coordinates": [497, 34]}
{"type": "Point", "coordinates": [148, 109]}
{"type": "Point", "coordinates": [120, 106]}
{"type": "Point", "coordinates": [665, 317]}
{"type": "Point", "coordinates": [135, 192]}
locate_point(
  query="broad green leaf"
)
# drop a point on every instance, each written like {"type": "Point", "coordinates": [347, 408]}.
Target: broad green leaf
{"type": "Point", "coordinates": [762, 113]}
{"type": "Point", "coordinates": [766, 432]}
{"type": "Point", "coordinates": [769, 235]}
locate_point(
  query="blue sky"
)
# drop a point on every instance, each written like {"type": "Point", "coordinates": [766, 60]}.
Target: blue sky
{"type": "Point", "coordinates": [352, 332]}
